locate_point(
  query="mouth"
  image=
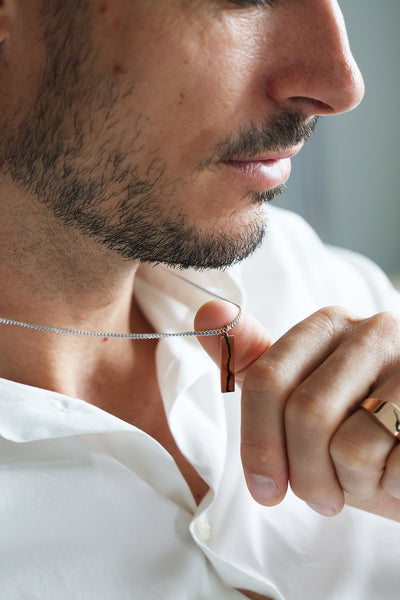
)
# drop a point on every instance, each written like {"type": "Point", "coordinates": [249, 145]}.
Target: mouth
{"type": "Point", "coordinates": [264, 172]}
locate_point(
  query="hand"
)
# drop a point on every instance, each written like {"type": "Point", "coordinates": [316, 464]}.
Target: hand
{"type": "Point", "coordinates": [301, 418]}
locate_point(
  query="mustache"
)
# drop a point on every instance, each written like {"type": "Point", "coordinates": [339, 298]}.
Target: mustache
{"type": "Point", "coordinates": [283, 131]}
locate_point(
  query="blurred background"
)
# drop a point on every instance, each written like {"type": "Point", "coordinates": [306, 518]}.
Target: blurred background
{"type": "Point", "coordinates": [345, 181]}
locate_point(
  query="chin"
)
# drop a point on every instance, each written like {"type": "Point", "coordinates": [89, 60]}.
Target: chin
{"type": "Point", "coordinates": [220, 249]}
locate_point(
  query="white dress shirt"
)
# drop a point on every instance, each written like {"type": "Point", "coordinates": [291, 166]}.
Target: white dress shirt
{"type": "Point", "coordinates": [92, 508]}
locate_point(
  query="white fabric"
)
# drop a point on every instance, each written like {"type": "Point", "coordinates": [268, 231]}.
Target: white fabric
{"type": "Point", "coordinates": [92, 508]}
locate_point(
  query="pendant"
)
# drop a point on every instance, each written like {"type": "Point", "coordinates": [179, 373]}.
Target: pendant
{"type": "Point", "coordinates": [227, 363]}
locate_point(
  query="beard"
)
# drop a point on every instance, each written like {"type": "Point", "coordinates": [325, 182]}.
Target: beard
{"type": "Point", "coordinates": [104, 191]}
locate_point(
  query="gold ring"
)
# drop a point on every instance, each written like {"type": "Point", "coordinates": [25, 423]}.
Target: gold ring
{"type": "Point", "coordinates": [386, 413]}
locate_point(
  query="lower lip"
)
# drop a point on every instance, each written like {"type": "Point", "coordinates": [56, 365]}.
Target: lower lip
{"type": "Point", "coordinates": [263, 174]}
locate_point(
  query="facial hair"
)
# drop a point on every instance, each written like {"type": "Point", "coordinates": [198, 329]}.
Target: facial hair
{"type": "Point", "coordinates": [110, 198]}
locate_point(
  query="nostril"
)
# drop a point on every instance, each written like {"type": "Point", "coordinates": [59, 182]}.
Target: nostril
{"type": "Point", "coordinates": [321, 105]}
{"type": "Point", "coordinates": [318, 106]}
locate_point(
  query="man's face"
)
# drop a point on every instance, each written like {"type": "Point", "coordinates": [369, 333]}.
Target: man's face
{"type": "Point", "coordinates": [160, 128]}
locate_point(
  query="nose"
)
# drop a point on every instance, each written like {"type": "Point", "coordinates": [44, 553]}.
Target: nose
{"type": "Point", "coordinates": [315, 72]}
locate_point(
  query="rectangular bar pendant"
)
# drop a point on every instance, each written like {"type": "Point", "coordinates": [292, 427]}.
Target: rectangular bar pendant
{"type": "Point", "coordinates": [227, 363]}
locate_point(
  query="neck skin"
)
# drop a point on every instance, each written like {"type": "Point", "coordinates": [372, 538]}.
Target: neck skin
{"type": "Point", "coordinates": [52, 275]}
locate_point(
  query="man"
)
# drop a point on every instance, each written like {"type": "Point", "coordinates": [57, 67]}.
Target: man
{"type": "Point", "coordinates": [142, 132]}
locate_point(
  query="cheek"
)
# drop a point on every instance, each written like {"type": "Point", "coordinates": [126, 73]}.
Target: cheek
{"type": "Point", "coordinates": [197, 92]}
{"type": "Point", "coordinates": [189, 89]}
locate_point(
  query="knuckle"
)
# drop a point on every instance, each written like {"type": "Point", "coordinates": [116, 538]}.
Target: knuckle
{"type": "Point", "coordinates": [307, 410]}
{"type": "Point", "coordinates": [256, 457]}
{"type": "Point", "coordinates": [333, 318]}
{"type": "Point", "coordinates": [362, 488]}
{"type": "Point", "coordinates": [386, 326]}
{"type": "Point", "coordinates": [352, 456]}
{"type": "Point", "coordinates": [266, 375]}
{"type": "Point", "coordinates": [379, 335]}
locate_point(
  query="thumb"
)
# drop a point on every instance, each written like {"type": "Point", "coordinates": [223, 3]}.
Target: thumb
{"type": "Point", "coordinates": [251, 339]}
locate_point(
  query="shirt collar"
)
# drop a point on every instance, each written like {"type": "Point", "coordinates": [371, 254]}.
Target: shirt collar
{"type": "Point", "coordinates": [170, 303]}
{"type": "Point", "coordinates": [188, 378]}
{"type": "Point", "coordinates": [29, 414]}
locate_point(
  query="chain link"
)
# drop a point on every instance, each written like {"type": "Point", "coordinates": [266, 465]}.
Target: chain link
{"type": "Point", "coordinates": [139, 336]}
{"type": "Point", "coordinates": [129, 336]}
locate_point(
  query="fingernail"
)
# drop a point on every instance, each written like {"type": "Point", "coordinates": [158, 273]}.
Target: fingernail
{"type": "Point", "coordinates": [263, 489]}
{"type": "Point", "coordinates": [326, 511]}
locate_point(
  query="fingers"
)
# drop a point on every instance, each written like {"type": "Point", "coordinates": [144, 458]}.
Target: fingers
{"type": "Point", "coordinates": [299, 399]}
{"type": "Point", "coordinates": [267, 387]}
{"type": "Point", "coordinates": [316, 410]}
{"type": "Point", "coordinates": [365, 454]}
{"type": "Point", "coordinates": [298, 404]}
{"type": "Point", "coordinates": [251, 339]}
{"type": "Point", "coordinates": [364, 463]}
{"type": "Point", "coordinates": [360, 450]}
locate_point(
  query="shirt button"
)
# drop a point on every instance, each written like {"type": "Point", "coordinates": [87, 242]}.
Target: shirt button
{"type": "Point", "coordinates": [203, 529]}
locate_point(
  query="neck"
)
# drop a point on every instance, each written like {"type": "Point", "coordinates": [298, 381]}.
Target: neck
{"type": "Point", "coordinates": [53, 276]}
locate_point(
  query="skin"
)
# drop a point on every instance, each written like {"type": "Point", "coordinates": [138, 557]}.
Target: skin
{"type": "Point", "coordinates": [141, 83]}
{"type": "Point", "coordinates": [181, 123]}
{"type": "Point", "coordinates": [301, 420]}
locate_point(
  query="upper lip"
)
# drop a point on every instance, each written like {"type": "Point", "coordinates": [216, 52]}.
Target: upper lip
{"type": "Point", "coordinates": [289, 153]}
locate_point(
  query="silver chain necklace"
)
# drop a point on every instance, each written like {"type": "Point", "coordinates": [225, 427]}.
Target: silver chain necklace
{"type": "Point", "coordinates": [128, 336]}
{"type": "Point", "coordinates": [226, 344]}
